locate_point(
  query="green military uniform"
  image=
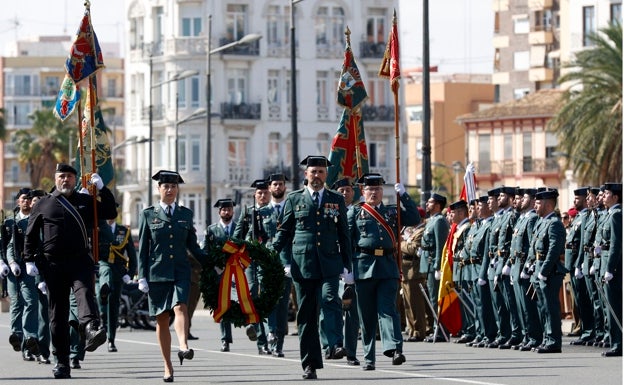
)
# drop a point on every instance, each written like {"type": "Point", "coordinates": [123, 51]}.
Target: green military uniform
{"type": "Point", "coordinates": [15, 323]}
{"type": "Point", "coordinates": [611, 268]}
{"type": "Point", "coordinates": [467, 277]}
{"type": "Point", "coordinates": [547, 246]}
{"type": "Point", "coordinates": [117, 258]}
{"type": "Point", "coordinates": [462, 238]}
{"type": "Point", "coordinates": [376, 271]}
{"type": "Point", "coordinates": [321, 250]}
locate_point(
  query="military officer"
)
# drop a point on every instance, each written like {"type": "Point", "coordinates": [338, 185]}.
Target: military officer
{"type": "Point", "coordinates": [6, 232]}
{"type": "Point", "coordinates": [611, 265]}
{"type": "Point", "coordinates": [219, 232]}
{"type": "Point", "coordinates": [251, 226]}
{"type": "Point", "coordinates": [58, 227]}
{"type": "Point", "coordinates": [166, 234]}
{"type": "Point", "coordinates": [22, 287]}
{"type": "Point", "coordinates": [118, 263]}
{"type": "Point", "coordinates": [315, 224]}
{"type": "Point", "coordinates": [547, 246]}
{"type": "Point", "coordinates": [431, 245]}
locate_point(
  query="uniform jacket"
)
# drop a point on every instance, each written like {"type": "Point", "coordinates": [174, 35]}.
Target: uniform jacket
{"type": "Point", "coordinates": [321, 244]}
{"type": "Point", "coordinates": [548, 246]}
{"type": "Point", "coordinates": [469, 271]}
{"type": "Point", "coordinates": [367, 233]}
{"type": "Point", "coordinates": [432, 243]}
{"type": "Point", "coordinates": [521, 241]}
{"type": "Point", "coordinates": [15, 250]}
{"type": "Point", "coordinates": [479, 251]}
{"type": "Point", "coordinates": [611, 255]}
{"type": "Point", "coordinates": [117, 238]}
{"type": "Point", "coordinates": [573, 241]}
{"type": "Point", "coordinates": [163, 244]}
{"type": "Point", "coordinates": [216, 233]}
{"type": "Point", "coordinates": [250, 225]}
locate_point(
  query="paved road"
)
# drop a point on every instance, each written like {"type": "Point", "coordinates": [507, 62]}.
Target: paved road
{"type": "Point", "coordinates": [138, 362]}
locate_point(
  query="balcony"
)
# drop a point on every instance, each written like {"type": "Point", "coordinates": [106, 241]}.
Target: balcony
{"type": "Point", "coordinates": [372, 50]}
{"type": "Point", "coordinates": [541, 74]}
{"type": "Point", "coordinates": [378, 113]}
{"type": "Point", "coordinates": [540, 166]}
{"type": "Point", "coordinates": [248, 111]}
{"type": "Point", "coordinates": [239, 175]}
{"type": "Point", "coordinates": [541, 37]}
{"type": "Point", "coordinates": [538, 5]}
{"type": "Point", "coordinates": [250, 49]}
{"type": "Point", "coordinates": [187, 45]}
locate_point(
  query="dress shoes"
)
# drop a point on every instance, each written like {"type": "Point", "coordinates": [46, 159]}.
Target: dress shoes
{"type": "Point", "coordinates": [75, 363]}
{"type": "Point", "coordinates": [168, 378]}
{"type": "Point", "coordinates": [339, 352]}
{"type": "Point", "coordinates": [509, 344]}
{"type": "Point", "coordinates": [191, 337]}
{"type": "Point", "coordinates": [15, 341]}
{"type": "Point", "coordinates": [481, 344]}
{"type": "Point", "coordinates": [43, 360]}
{"type": "Point", "coordinates": [464, 339]}
{"type": "Point", "coordinates": [26, 356]}
{"type": "Point", "coordinates": [574, 333]}
{"type": "Point", "coordinates": [438, 338]}
{"type": "Point", "coordinates": [309, 373]}
{"type": "Point", "coordinates": [111, 347]}
{"type": "Point", "coordinates": [225, 346]}
{"type": "Point", "coordinates": [476, 340]}
{"type": "Point", "coordinates": [94, 336]}
{"type": "Point", "coordinates": [368, 366]}
{"type": "Point", "coordinates": [250, 330]}
{"type": "Point", "coordinates": [398, 358]}
{"type": "Point", "coordinates": [612, 353]}
{"type": "Point", "coordinates": [526, 348]}
{"type": "Point", "coordinates": [578, 342]}
{"type": "Point", "coordinates": [187, 354]}
{"type": "Point", "coordinates": [61, 371]}
{"type": "Point", "coordinates": [264, 350]}
{"type": "Point", "coordinates": [32, 345]}
{"type": "Point", "coordinates": [413, 339]}
{"type": "Point", "coordinates": [494, 344]}
{"type": "Point", "coordinates": [548, 349]}
{"type": "Point", "coordinates": [353, 361]}
{"type": "Point", "coordinates": [278, 354]}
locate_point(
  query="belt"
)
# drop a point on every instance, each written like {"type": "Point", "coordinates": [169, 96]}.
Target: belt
{"type": "Point", "coordinates": [571, 246]}
{"type": "Point", "coordinates": [538, 256]}
{"type": "Point", "coordinates": [428, 248]}
{"type": "Point", "coordinates": [473, 261]}
{"type": "Point", "coordinates": [376, 252]}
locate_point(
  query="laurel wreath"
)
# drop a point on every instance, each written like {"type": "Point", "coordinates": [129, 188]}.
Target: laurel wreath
{"type": "Point", "coordinates": [271, 277]}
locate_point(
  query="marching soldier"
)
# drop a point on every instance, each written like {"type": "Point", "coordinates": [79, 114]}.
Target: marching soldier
{"type": "Point", "coordinates": [611, 265]}
{"type": "Point", "coordinates": [219, 232]}
{"type": "Point", "coordinates": [373, 228]}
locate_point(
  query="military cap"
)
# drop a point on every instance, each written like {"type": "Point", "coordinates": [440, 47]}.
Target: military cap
{"type": "Point", "coordinates": [507, 190]}
{"type": "Point", "coordinates": [519, 191]}
{"type": "Point", "coordinates": [494, 192]}
{"type": "Point", "coordinates": [164, 176]}
{"type": "Point", "coordinates": [593, 190]}
{"type": "Point", "coordinates": [277, 177]}
{"type": "Point", "coordinates": [62, 167]}
{"type": "Point", "coordinates": [37, 193]}
{"type": "Point", "coordinates": [371, 180]}
{"type": "Point", "coordinates": [474, 201]}
{"type": "Point", "coordinates": [613, 187]}
{"type": "Point", "coordinates": [260, 184]}
{"type": "Point", "coordinates": [483, 198]}
{"type": "Point", "coordinates": [221, 203]}
{"type": "Point", "coordinates": [346, 181]}
{"type": "Point", "coordinates": [581, 191]}
{"type": "Point", "coordinates": [22, 191]}
{"type": "Point", "coordinates": [542, 189]}
{"type": "Point", "coordinates": [547, 194]}
{"type": "Point", "coordinates": [529, 191]}
{"type": "Point", "coordinates": [315, 161]}
{"type": "Point", "coordinates": [458, 205]}
{"type": "Point", "coordinates": [439, 198]}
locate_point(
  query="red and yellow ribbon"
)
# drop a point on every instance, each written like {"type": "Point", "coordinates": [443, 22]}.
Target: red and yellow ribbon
{"type": "Point", "coordinates": [235, 266]}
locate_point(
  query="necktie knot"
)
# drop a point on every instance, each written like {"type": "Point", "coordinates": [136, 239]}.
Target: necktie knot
{"type": "Point", "coordinates": [169, 211]}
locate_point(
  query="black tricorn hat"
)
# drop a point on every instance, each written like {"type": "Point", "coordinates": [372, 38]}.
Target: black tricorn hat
{"type": "Point", "coordinates": [547, 194]}
{"type": "Point", "coordinates": [346, 181]}
{"type": "Point", "coordinates": [315, 161]}
{"type": "Point", "coordinates": [164, 176]}
{"type": "Point", "coordinates": [494, 192]}
{"type": "Point", "coordinates": [63, 167]}
{"type": "Point", "coordinates": [439, 198]}
{"type": "Point", "coordinates": [37, 193]}
{"type": "Point", "coordinates": [613, 187]}
{"type": "Point", "coordinates": [260, 184]}
{"type": "Point", "coordinates": [277, 177]}
{"type": "Point", "coordinates": [22, 191]}
{"type": "Point", "coordinates": [227, 202]}
{"type": "Point", "coordinates": [457, 205]}
{"type": "Point", "coordinates": [371, 179]}
{"type": "Point", "coordinates": [581, 192]}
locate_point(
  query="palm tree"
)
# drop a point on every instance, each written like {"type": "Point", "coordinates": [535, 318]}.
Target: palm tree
{"type": "Point", "coordinates": [43, 145]}
{"type": "Point", "coordinates": [589, 123]}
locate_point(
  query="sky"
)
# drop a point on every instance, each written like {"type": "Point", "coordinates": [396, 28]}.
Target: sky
{"type": "Point", "coordinates": [460, 30]}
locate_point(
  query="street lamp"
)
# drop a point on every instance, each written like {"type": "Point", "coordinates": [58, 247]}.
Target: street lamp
{"type": "Point", "coordinates": [247, 39]}
{"type": "Point", "coordinates": [197, 114]}
{"type": "Point", "coordinates": [293, 98]}
{"type": "Point", "coordinates": [178, 76]}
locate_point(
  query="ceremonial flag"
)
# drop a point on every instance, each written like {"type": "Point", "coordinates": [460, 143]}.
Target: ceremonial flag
{"type": "Point", "coordinates": [468, 192]}
{"type": "Point", "coordinates": [348, 154]}
{"type": "Point", "coordinates": [390, 62]}
{"type": "Point", "coordinates": [448, 302]}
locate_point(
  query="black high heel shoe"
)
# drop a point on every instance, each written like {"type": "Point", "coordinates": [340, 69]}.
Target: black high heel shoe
{"type": "Point", "coordinates": [188, 354]}
{"type": "Point", "coordinates": [169, 378]}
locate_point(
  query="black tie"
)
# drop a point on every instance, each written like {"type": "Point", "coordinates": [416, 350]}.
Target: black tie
{"type": "Point", "coordinates": [169, 211]}
{"type": "Point", "coordinates": [227, 231]}
{"type": "Point", "coordinates": [278, 209]}
{"type": "Point", "coordinates": [316, 199]}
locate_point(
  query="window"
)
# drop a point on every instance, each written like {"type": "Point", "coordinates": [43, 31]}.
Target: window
{"type": "Point", "coordinates": [323, 143]}
{"type": "Point", "coordinates": [237, 159]}
{"type": "Point", "coordinates": [181, 92]}
{"type": "Point", "coordinates": [158, 28]}
{"type": "Point", "coordinates": [329, 26]}
{"type": "Point", "coordinates": [589, 26]}
{"type": "Point", "coordinates": [111, 88]}
{"type": "Point", "coordinates": [278, 25]}
{"type": "Point", "coordinates": [508, 146]}
{"type": "Point", "coordinates": [616, 13]}
{"type": "Point", "coordinates": [52, 85]}
{"type": "Point", "coordinates": [194, 91]}
{"type": "Point", "coordinates": [485, 166]}
{"type": "Point", "coordinates": [195, 147]}
{"type": "Point", "coordinates": [273, 87]}
{"type": "Point", "coordinates": [193, 202]}
{"type": "Point", "coordinates": [521, 61]}
{"type": "Point", "coordinates": [23, 85]}
{"type": "Point", "coordinates": [414, 113]}
{"type": "Point", "coordinates": [378, 90]}
{"type": "Point", "coordinates": [235, 21]}
{"type": "Point", "coordinates": [521, 24]}
{"type": "Point", "coordinates": [182, 161]}
{"type": "Point", "coordinates": [273, 153]}
{"type": "Point", "coordinates": [527, 152]}
{"type": "Point", "coordinates": [323, 88]}
{"type": "Point", "coordinates": [519, 93]}
{"type": "Point", "coordinates": [191, 26]}
{"type": "Point", "coordinates": [376, 26]}
{"type": "Point", "coordinates": [237, 86]}
{"type": "Point", "coordinates": [377, 153]}
{"type": "Point", "coordinates": [136, 33]}
{"type": "Point", "coordinates": [551, 144]}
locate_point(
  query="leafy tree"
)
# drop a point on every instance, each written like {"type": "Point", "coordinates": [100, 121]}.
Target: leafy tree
{"type": "Point", "coordinates": [43, 145]}
{"type": "Point", "coordinates": [589, 123]}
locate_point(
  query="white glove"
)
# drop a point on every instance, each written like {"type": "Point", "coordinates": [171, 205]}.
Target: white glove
{"type": "Point", "coordinates": [84, 191]}
{"type": "Point", "coordinates": [287, 271]}
{"type": "Point", "coordinates": [578, 274]}
{"type": "Point", "coordinates": [15, 268]}
{"type": "Point", "coordinates": [437, 275]}
{"type": "Point", "coordinates": [592, 270]}
{"type": "Point", "coordinates": [597, 250]}
{"type": "Point", "coordinates": [43, 288]}
{"type": "Point", "coordinates": [541, 277]}
{"type": "Point", "coordinates": [4, 269]}
{"type": "Point", "coordinates": [218, 270]}
{"type": "Point", "coordinates": [608, 276]}
{"type": "Point", "coordinates": [523, 275]}
{"type": "Point", "coordinates": [126, 278]}
{"type": "Point", "coordinates": [398, 187]}
{"type": "Point", "coordinates": [481, 282]}
{"type": "Point", "coordinates": [31, 269]}
{"type": "Point", "coordinates": [97, 181]}
{"type": "Point", "coordinates": [143, 285]}
{"type": "Point", "coordinates": [506, 270]}
{"type": "Point", "coordinates": [348, 277]}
